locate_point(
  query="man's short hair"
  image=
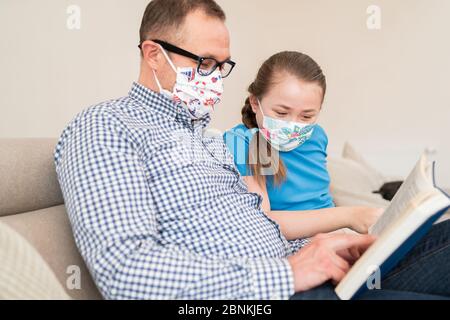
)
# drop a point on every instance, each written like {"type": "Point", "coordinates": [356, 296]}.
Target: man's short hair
{"type": "Point", "coordinates": [162, 18]}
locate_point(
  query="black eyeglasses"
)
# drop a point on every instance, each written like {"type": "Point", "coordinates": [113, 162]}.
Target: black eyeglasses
{"type": "Point", "coordinates": [205, 66]}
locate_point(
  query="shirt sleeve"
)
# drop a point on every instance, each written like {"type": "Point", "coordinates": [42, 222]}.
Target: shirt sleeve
{"type": "Point", "coordinates": [110, 206]}
{"type": "Point", "coordinates": [238, 144]}
{"type": "Point", "coordinates": [297, 244]}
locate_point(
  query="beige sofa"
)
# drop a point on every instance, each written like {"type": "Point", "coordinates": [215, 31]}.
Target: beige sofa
{"type": "Point", "coordinates": [31, 203]}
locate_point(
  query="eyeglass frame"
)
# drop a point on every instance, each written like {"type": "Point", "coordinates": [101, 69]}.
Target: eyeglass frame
{"type": "Point", "coordinates": [174, 49]}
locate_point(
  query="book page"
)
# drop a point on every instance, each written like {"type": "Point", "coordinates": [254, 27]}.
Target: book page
{"type": "Point", "coordinates": [413, 191]}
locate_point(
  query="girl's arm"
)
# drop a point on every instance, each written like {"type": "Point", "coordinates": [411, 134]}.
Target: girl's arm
{"type": "Point", "coordinates": [304, 224]}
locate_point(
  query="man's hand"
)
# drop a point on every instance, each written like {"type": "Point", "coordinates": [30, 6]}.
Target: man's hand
{"type": "Point", "coordinates": [327, 257]}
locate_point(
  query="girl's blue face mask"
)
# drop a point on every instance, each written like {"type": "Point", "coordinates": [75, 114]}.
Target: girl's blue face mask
{"type": "Point", "coordinates": [285, 135]}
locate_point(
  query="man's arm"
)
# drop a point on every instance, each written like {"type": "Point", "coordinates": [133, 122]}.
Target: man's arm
{"type": "Point", "coordinates": [115, 227]}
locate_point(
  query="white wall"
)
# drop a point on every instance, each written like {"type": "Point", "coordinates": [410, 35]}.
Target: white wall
{"type": "Point", "coordinates": [389, 90]}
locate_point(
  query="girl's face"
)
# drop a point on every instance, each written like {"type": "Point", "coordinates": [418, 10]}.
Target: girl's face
{"type": "Point", "coordinates": [290, 99]}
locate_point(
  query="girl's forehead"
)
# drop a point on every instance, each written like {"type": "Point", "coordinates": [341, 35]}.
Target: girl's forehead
{"type": "Point", "coordinates": [295, 94]}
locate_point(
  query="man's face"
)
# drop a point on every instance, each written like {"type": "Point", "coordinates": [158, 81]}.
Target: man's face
{"type": "Point", "coordinates": [202, 35]}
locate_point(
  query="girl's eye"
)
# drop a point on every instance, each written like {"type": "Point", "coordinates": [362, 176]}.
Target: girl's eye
{"type": "Point", "coordinates": [281, 114]}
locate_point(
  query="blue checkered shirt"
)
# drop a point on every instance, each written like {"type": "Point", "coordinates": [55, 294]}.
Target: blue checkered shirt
{"type": "Point", "coordinates": [159, 211]}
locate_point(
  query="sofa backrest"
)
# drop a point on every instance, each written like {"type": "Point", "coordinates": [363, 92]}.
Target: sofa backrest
{"type": "Point", "coordinates": [27, 176]}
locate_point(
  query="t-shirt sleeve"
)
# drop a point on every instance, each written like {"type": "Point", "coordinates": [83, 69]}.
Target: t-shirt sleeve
{"type": "Point", "coordinates": [326, 140]}
{"type": "Point", "coordinates": [322, 137]}
{"type": "Point", "coordinates": [237, 142]}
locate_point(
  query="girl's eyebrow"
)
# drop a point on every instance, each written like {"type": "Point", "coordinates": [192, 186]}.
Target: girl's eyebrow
{"type": "Point", "coordinates": [289, 108]}
{"type": "Point", "coordinates": [283, 106]}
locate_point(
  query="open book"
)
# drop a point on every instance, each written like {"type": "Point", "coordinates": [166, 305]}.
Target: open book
{"type": "Point", "coordinates": [417, 205]}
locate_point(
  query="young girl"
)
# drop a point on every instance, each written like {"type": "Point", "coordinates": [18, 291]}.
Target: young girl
{"type": "Point", "coordinates": [281, 151]}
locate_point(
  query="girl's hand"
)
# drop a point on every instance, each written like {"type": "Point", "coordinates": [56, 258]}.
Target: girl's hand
{"type": "Point", "coordinates": [362, 218]}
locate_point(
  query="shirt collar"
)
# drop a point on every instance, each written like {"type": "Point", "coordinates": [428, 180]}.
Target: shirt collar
{"type": "Point", "coordinates": [160, 103]}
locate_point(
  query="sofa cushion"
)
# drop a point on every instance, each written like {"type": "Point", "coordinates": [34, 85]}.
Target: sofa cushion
{"type": "Point", "coordinates": [23, 272]}
{"type": "Point", "coordinates": [49, 231]}
{"type": "Point", "coordinates": [353, 180]}
{"type": "Point", "coordinates": [376, 177]}
{"type": "Point", "coordinates": [28, 177]}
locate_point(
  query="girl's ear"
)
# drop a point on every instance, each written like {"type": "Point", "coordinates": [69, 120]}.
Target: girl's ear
{"type": "Point", "coordinates": [254, 103]}
{"type": "Point", "coordinates": [151, 54]}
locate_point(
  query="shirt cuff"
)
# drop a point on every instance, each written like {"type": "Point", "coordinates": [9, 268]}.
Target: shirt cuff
{"type": "Point", "coordinates": [272, 279]}
{"type": "Point", "coordinates": [297, 244]}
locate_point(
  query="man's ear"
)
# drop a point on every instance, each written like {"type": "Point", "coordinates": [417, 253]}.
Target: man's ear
{"type": "Point", "coordinates": [151, 53]}
{"type": "Point", "coordinates": [254, 103]}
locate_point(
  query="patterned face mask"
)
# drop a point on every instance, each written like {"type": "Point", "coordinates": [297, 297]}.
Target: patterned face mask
{"type": "Point", "coordinates": [285, 135]}
{"type": "Point", "coordinates": [199, 94]}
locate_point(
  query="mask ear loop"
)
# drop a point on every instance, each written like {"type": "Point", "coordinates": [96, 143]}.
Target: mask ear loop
{"type": "Point", "coordinates": [171, 65]}
{"type": "Point", "coordinates": [157, 82]}
{"type": "Point", "coordinates": [260, 107]}
{"type": "Point", "coordinates": [168, 59]}
{"type": "Point", "coordinates": [262, 113]}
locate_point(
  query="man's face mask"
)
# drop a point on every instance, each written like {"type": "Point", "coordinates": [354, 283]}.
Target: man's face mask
{"type": "Point", "coordinates": [198, 93]}
{"type": "Point", "coordinates": [285, 135]}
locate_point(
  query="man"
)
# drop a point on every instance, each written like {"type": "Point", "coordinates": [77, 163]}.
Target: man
{"type": "Point", "coordinates": [158, 209]}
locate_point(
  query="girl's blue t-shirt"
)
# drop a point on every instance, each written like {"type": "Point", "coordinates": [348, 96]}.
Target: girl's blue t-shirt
{"type": "Point", "coordinates": [307, 184]}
